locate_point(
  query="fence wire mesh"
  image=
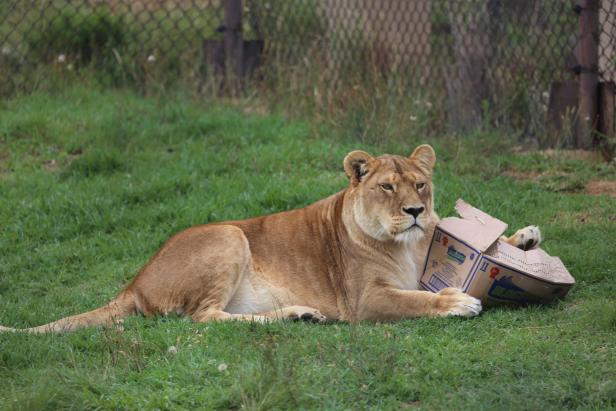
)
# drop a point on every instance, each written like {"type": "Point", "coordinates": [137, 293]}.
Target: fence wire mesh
{"type": "Point", "coordinates": [129, 40]}
{"type": "Point", "coordinates": [474, 58]}
{"type": "Point", "coordinates": [468, 55]}
{"type": "Point", "coordinates": [607, 40]}
{"type": "Point", "coordinates": [79, 28]}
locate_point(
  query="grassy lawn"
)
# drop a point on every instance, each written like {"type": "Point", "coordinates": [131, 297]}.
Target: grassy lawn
{"type": "Point", "coordinates": [93, 182]}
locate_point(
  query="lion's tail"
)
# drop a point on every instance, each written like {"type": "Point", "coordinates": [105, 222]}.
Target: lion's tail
{"type": "Point", "coordinates": [120, 307]}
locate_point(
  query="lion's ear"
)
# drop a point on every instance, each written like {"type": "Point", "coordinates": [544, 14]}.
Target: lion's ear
{"type": "Point", "coordinates": [425, 157]}
{"type": "Point", "coordinates": [356, 165]}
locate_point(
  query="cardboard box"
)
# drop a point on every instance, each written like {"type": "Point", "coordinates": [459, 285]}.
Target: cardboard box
{"type": "Point", "coordinates": [467, 253]}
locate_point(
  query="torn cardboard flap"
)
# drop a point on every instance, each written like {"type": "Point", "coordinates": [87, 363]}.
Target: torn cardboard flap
{"type": "Point", "coordinates": [467, 253]}
{"type": "Point", "coordinates": [478, 229]}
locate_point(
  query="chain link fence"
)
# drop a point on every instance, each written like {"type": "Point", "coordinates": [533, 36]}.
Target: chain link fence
{"type": "Point", "coordinates": [467, 62]}
{"type": "Point", "coordinates": [127, 40]}
{"type": "Point", "coordinates": [470, 59]}
{"type": "Point", "coordinates": [607, 40]}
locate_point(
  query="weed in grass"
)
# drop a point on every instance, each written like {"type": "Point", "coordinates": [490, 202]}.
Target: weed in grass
{"type": "Point", "coordinates": [122, 351]}
{"type": "Point", "coordinates": [271, 383]}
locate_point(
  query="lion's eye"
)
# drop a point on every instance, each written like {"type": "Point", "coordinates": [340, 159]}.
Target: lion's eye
{"type": "Point", "coordinates": [419, 186]}
{"type": "Point", "coordinates": [387, 187]}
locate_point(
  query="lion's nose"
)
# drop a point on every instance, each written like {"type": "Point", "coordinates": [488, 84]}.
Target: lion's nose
{"type": "Point", "coordinates": [414, 211]}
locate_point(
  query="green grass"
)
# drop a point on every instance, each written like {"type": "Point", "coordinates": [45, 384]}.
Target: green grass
{"type": "Point", "coordinates": [93, 182]}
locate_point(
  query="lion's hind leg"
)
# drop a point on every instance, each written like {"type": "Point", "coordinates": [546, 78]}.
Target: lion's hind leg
{"type": "Point", "coordinates": [217, 274]}
{"type": "Point", "coordinates": [232, 260]}
{"type": "Point", "coordinates": [197, 273]}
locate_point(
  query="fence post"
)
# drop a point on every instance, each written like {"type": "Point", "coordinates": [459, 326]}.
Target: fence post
{"type": "Point", "coordinates": [233, 45]}
{"type": "Point", "coordinates": [588, 60]}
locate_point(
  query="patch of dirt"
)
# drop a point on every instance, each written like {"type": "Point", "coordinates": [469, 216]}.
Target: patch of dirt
{"type": "Point", "coordinates": [531, 175]}
{"type": "Point", "coordinates": [4, 167]}
{"type": "Point", "coordinates": [561, 154]}
{"type": "Point", "coordinates": [50, 165]}
{"type": "Point", "coordinates": [592, 216]}
{"type": "Point", "coordinates": [552, 180]}
{"type": "Point", "coordinates": [409, 405]}
{"type": "Point", "coordinates": [256, 109]}
{"type": "Point", "coordinates": [524, 148]}
{"type": "Point", "coordinates": [521, 175]}
{"type": "Point", "coordinates": [74, 155]}
{"type": "Point", "coordinates": [601, 187]}
{"type": "Point", "coordinates": [53, 164]}
{"type": "Point", "coordinates": [583, 155]}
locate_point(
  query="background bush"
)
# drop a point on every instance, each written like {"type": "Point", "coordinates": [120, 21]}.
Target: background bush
{"type": "Point", "coordinates": [82, 37]}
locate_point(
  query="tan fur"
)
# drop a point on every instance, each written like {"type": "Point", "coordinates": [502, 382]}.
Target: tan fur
{"type": "Point", "coordinates": [352, 256]}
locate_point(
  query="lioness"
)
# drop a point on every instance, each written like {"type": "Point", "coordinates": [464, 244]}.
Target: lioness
{"type": "Point", "coordinates": [356, 255]}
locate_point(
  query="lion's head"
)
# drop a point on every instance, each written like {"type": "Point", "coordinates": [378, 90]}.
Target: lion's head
{"type": "Point", "coordinates": [392, 196]}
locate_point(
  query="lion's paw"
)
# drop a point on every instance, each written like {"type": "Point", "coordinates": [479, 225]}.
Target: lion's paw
{"type": "Point", "coordinates": [452, 301]}
{"type": "Point", "coordinates": [307, 314]}
{"type": "Point", "coordinates": [526, 238]}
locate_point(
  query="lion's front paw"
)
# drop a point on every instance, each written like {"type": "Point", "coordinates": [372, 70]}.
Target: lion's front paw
{"type": "Point", "coordinates": [452, 301]}
{"type": "Point", "coordinates": [526, 238]}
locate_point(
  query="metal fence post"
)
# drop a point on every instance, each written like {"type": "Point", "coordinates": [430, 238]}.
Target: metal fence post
{"type": "Point", "coordinates": [233, 45]}
{"type": "Point", "coordinates": [588, 59]}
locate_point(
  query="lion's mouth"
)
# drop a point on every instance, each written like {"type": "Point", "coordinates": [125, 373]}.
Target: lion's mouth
{"type": "Point", "coordinates": [409, 228]}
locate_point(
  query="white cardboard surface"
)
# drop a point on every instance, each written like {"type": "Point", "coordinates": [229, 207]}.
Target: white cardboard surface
{"type": "Point", "coordinates": [478, 229]}
{"type": "Point", "coordinates": [467, 253]}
